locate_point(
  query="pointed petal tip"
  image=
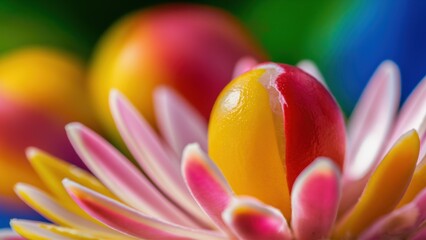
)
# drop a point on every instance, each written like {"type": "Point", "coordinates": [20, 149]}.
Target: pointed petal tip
{"type": "Point", "coordinates": [323, 164]}
{"type": "Point", "coordinates": [245, 204]}
{"type": "Point", "coordinates": [31, 152]}
{"type": "Point", "coordinates": [162, 90]}
{"type": "Point", "coordinates": [20, 187]}
{"type": "Point", "coordinates": [68, 183]}
{"type": "Point", "coordinates": [162, 94]}
{"type": "Point", "coordinates": [192, 148]}
{"type": "Point", "coordinates": [390, 68]}
{"type": "Point", "coordinates": [413, 135]}
{"type": "Point", "coordinates": [114, 93]}
{"type": "Point", "coordinates": [243, 65]}
{"type": "Point", "coordinates": [116, 98]}
{"type": "Point", "coordinates": [74, 127]}
{"type": "Point", "coordinates": [249, 218]}
{"type": "Point", "coordinates": [71, 187]}
{"type": "Point", "coordinates": [389, 63]}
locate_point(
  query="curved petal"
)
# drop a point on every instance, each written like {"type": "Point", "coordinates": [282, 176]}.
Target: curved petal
{"type": "Point", "coordinates": [250, 219]}
{"type": "Point", "coordinates": [127, 220]}
{"type": "Point", "coordinates": [417, 184]}
{"type": "Point", "coordinates": [371, 120]}
{"type": "Point", "coordinates": [179, 123]}
{"type": "Point", "coordinates": [8, 234]}
{"type": "Point", "coordinates": [419, 235]}
{"type": "Point", "coordinates": [151, 155]}
{"type": "Point", "coordinates": [206, 183]}
{"type": "Point", "coordinates": [243, 65]}
{"type": "Point", "coordinates": [382, 193]}
{"type": "Point", "coordinates": [53, 170]}
{"type": "Point", "coordinates": [121, 177]}
{"type": "Point", "coordinates": [311, 68]}
{"type": "Point", "coordinates": [34, 230]}
{"type": "Point", "coordinates": [412, 113]}
{"type": "Point", "coordinates": [53, 210]}
{"type": "Point", "coordinates": [315, 200]}
{"type": "Point", "coordinates": [401, 223]}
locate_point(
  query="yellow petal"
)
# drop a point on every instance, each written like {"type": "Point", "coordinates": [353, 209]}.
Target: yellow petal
{"type": "Point", "coordinates": [39, 230]}
{"type": "Point", "coordinates": [242, 133]}
{"type": "Point", "coordinates": [385, 188]}
{"type": "Point", "coordinates": [53, 170]}
{"type": "Point", "coordinates": [55, 212]}
{"type": "Point", "coordinates": [68, 232]}
{"type": "Point", "coordinates": [417, 184]}
{"type": "Point", "coordinates": [32, 230]}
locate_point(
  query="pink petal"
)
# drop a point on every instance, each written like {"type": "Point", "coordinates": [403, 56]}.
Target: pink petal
{"type": "Point", "coordinates": [419, 235]}
{"type": "Point", "coordinates": [422, 132]}
{"type": "Point", "coordinates": [121, 177]}
{"type": "Point", "coordinates": [7, 234]}
{"type": "Point", "coordinates": [250, 219]}
{"type": "Point", "coordinates": [371, 120]}
{"type": "Point", "coordinates": [315, 199]}
{"type": "Point", "coordinates": [243, 65]}
{"type": "Point", "coordinates": [58, 214]}
{"type": "Point", "coordinates": [400, 223]}
{"type": "Point", "coordinates": [311, 68]}
{"type": "Point", "coordinates": [206, 183]}
{"type": "Point", "coordinates": [412, 113]}
{"type": "Point", "coordinates": [149, 151]}
{"type": "Point", "coordinates": [179, 122]}
{"type": "Point", "coordinates": [130, 221]}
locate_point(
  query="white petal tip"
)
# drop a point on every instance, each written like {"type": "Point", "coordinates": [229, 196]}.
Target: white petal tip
{"type": "Point", "coordinates": [73, 127]}
{"type": "Point", "coordinates": [31, 152]}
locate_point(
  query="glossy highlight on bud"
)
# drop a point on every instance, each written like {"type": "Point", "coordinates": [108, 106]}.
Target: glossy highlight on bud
{"type": "Point", "coordinates": [263, 132]}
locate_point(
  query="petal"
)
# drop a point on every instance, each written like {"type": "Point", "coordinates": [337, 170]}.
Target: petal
{"type": "Point", "coordinates": [206, 183]}
{"type": "Point", "coordinates": [74, 233]}
{"type": "Point", "coordinates": [419, 235]}
{"type": "Point", "coordinates": [34, 230]}
{"type": "Point", "coordinates": [315, 200]}
{"type": "Point", "coordinates": [250, 219]}
{"type": "Point", "coordinates": [151, 155]}
{"type": "Point", "coordinates": [7, 234]}
{"type": "Point", "coordinates": [121, 177]}
{"type": "Point", "coordinates": [53, 210]}
{"type": "Point", "coordinates": [400, 223]}
{"type": "Point", "coordinates": [384, 189]}
{"type": "Point", "coordinates": [311, 68]}
{"type": "Point", "coordinates": [412, 113]}
{"type": "Point", "coordinates": [52, 170]}
{"type": "Point", "coordinates": [371, 120]}
{"type": "Point", "coordinates": [127, 220]}
{"type": "Point", "coordinates": [179, 122]}
{"type": "Point", "coordinates": [417, 184]}
{"type": "Point", "coordinates": [243, 65]}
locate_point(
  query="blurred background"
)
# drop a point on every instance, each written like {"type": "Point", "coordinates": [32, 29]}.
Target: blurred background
{"type": "Point", "coordinates": [55, 55]}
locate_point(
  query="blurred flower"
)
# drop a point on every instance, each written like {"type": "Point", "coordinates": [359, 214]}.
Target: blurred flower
{"type": "Point", "coordinates": [192, 48]}
{"type": "Point", "coordinates": [192, 199]}
{"type": "Point", "coordinates": [40, 91]}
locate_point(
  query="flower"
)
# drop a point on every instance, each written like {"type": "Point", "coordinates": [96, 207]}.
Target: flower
{"type": "Point", "coordinates": [381, 197]}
